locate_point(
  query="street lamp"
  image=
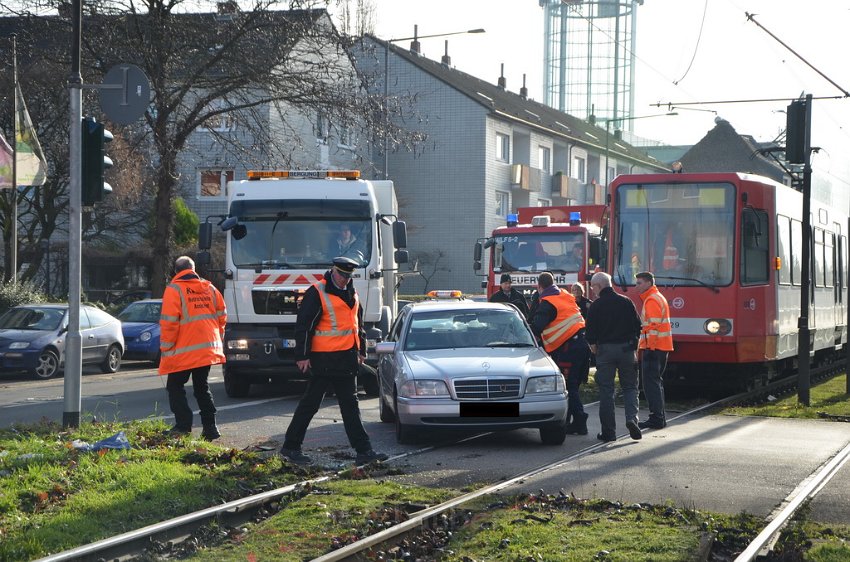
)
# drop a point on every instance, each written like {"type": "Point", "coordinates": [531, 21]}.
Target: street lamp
{"type": "Point", "coordinates": [608, 134]}
{"type": "Point", "coordinates": [414, 47]}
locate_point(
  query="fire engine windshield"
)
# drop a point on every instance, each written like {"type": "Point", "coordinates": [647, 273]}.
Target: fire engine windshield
{"type": "Point", "coordinates": [301, 234]}
{"type": "Point", "coordinates": [683, 233]}
{"type": "Point", "coordinates": [561, 252]}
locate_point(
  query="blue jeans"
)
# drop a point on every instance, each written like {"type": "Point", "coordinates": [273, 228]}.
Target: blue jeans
{"type": "Point", "coordinates": [616, 359]}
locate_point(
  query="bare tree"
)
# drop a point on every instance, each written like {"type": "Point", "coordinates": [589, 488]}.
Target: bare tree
{"type": "Point", "coordinates": [280, 58]}
{"type": "Point", "coordinates": [429, 265]}
{"type": "Point", "coordinates": [42, 211]}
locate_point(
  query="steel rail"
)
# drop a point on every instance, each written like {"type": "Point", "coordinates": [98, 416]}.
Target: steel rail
{"type": "Point", "coordinates": [178, 526]}
{"type": "Point", "coordinates": [813, 484]}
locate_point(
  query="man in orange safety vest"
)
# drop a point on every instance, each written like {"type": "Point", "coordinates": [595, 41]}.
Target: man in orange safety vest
{"type": "Point", "coordinates": [656, 341]}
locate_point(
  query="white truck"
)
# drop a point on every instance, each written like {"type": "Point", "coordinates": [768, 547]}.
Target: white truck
{"type": "Point", "coordinates": [283, 231]}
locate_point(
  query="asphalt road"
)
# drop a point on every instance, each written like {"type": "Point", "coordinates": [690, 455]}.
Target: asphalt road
{"type": "Point", "coordinates": [721, 463]}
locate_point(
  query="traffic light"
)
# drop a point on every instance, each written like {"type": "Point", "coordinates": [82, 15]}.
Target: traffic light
{"type": "Point", "coordinates": [95, 162]}
{"type": "Point", "coordinates": [797, 131]}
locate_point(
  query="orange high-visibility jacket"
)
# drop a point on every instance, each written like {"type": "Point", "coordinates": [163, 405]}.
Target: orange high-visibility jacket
{"type": "Point", "coordinates": [656, 332]}
{"type": "Point", "coordinates": [671, 253]}
{"type": "Point", "coordinates": [338, 328]}
{"type": "Point", "coordinates": [191, 324]}
{"type": "Point", "coordinates": [567, 322]}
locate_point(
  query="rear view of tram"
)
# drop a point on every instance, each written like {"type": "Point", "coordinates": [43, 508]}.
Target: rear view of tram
{"type": "Point", "coordinates": [726, 252]}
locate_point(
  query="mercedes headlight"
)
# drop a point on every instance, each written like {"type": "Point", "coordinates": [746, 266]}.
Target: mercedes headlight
{"type": "Point", "coordinates": [423, 389]}
{"type": "Point", "coordinates": [550, 383]}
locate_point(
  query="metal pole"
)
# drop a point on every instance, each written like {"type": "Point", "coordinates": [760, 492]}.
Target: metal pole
{"type": "Point", "coordinates": [386, 110]}
{"type": "Point", "coordinates": [13, 251]}
{"type": "Point", "coordinates": [844, 277]}
{"type": "Point", "coordinates": [803, 374]}
{"type": "Point", "coordinates": [607, 134]}
{"type": "Point", "coordinates": [73, 341]}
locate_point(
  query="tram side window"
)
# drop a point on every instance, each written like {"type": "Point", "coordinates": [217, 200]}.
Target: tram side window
{"type": "Point", "coordinates": [754, 247]}
{"type": "Point", "coordinates": [829, 259]}
{"type": "Point", "coordinates": [819, 258]}
{"type": "Point", "coordinates": [783, 249]}
{"type": "Point", "coordinates": [796, 252]}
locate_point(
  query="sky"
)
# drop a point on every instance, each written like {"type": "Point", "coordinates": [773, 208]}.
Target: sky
{"type": "Point", "coordinates": [687, 51]}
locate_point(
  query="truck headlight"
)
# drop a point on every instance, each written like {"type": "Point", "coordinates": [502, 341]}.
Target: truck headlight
{"type": "Point", "coordinates": [551, 383]}
{"type": "Point", "coordinates": [237, 344]}
{"type": "Point", "coordinates": [422, 389]}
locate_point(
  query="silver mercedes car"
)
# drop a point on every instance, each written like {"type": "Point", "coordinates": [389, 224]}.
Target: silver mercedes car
{"type": "Point", "coordinates": [460, 364]}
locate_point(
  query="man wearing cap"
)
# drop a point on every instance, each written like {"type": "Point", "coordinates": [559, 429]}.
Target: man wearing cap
{"type": "Point", "coordinates": [330, 345]}
{"type": "Point", "coordinates": [510, 295]}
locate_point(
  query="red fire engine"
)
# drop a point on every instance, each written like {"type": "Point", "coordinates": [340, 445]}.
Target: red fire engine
{"type": "Point", "coordinates": [566, 241]}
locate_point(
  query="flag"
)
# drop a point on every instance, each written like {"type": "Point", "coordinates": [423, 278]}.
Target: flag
{"type": "Point", "coordinates": [32, 168]}
{"type": "Point", "coordinates": [5, 164]}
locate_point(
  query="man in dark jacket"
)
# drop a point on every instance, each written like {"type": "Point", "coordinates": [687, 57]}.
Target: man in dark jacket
{"type": "Point", "coordinates": [612, 330]}
{"type": "Point", "coordinates": [330, 345]}
{"type": "Point", "coordinates": [558, 324]}
{"type": "Point", "coordinates": [510, 295]}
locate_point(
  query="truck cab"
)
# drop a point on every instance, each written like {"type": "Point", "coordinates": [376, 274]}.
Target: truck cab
{"type": "Point", "coordinates": [284, 228]}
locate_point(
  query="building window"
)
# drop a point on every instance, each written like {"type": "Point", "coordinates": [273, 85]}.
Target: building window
{"type": "Point", "coordinates": [503, 148]}
{"type": "Point", "coordinates": [579, 172]}
{"type": "Point", "coordinates": [544, 158]}
{"type": "Point", "coordinates": [322, 126]}
{"type": "Point", "coordinates": [503, 203]}
{"type": "Point", "coordinates": [220, 122]}
{"type": "Point", "coordinates": [345, 136]}
{"type": "Point", "coordinates": [544, 203]}
{"type": "Point", "coordinates": [213, 183]}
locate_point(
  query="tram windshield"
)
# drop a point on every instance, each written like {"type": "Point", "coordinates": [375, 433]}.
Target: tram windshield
{"type": "Point", "coordinates": [683, 233]}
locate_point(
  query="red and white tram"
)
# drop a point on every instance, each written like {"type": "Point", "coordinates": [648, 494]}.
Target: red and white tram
{"type": "Point", "coordinates": [726, 251]}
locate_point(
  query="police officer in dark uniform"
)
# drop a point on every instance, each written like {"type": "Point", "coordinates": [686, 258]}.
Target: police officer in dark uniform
{"type": "Point", "coordinates": [330, 345]}
{"type": "Point", "coordinates": [510, 295]}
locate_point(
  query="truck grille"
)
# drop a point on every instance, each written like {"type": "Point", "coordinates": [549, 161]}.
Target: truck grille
{"type": "Point", "coordinates": [487, 388]}
{"type": "Point", "coordinates": [276, 302]}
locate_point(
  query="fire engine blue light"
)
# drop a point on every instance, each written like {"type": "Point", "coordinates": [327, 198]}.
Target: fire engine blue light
{"type": "Point", "coordinates": [575, 216]}
{"type": "Point", "coordinates": [512, 219]}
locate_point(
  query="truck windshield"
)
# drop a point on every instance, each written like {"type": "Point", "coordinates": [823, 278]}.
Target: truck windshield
{"type": "Point", "coordinates": [301, 234]}
{"type": "Point", "coordinates": [682, 232]}
{"type": "Point", "coordinates": [537, 251]}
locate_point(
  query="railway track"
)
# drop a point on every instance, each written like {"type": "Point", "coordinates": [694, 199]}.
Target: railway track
{"type": "Point", "coordinates": [167, 535]}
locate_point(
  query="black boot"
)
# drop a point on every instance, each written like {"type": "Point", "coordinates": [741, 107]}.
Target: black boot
{"type": "Point", "coordinates": [210, 431]}
{"type": "Point", "coordinates": [579, 425]}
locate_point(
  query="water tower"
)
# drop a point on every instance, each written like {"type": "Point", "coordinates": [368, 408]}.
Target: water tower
{"type": "Point", "coordinates": [589, 54]}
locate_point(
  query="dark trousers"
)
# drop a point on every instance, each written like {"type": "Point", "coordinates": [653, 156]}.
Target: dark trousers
{"type": "Point", "coordinates": [180, 405]}
{"type": "Point", "coordinates": [652, 365]}
{"type": "Point", "coordinates": [573, 358]}
{"type": "Point", "coordinates": [345, 388]}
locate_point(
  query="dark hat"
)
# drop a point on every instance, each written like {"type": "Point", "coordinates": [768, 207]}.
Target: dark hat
{"type": "Point", "coordinates": [345, 266]}
{"type": "Point", "coordinates": [505, 278]}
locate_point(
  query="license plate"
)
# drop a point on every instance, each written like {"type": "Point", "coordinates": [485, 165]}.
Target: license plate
{"type": "Point", "coordinates": [489, 409]}
{"type": "Point", "coordinates": [288, 344]}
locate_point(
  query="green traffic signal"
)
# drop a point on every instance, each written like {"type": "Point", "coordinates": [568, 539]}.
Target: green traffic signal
{"type": "Point", "coordinates": [94, 162]}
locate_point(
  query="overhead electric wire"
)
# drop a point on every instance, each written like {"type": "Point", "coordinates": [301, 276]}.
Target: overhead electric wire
{"type": "Point", "coordinates": [752, 18]}
{"type": "Point", "coordinates": [696, 47]}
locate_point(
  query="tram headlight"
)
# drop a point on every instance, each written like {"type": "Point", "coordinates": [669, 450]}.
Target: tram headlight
{"type": "Point", "coordinates": [717, 326]}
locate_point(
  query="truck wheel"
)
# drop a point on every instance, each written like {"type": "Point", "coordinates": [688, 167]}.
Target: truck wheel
{"type": "Point", "coordinates": [368, 379]}
{"type": "Point", "coordinates": [234, 386]}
